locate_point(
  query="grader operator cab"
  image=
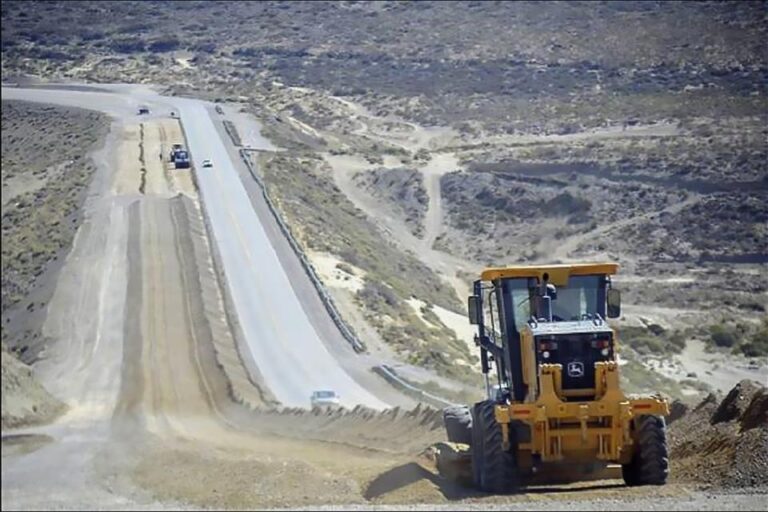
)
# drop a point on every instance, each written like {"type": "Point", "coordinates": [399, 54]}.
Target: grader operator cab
{"type": "Point", "coordinates": [560, 407]}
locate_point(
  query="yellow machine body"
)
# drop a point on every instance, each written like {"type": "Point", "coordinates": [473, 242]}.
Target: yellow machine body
{"type": "Point", "coordinates": [544, 422]}
{"type": "Point", "coordinates": [578, 431]}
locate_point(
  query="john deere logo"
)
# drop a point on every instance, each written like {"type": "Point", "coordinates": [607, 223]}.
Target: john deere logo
{"type": "Point", "coordinates": [575, 369]}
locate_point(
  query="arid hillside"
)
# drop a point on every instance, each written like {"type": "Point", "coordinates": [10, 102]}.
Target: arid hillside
{"type": "Point", "coordinates": [477, 133]}
{"type": "Point", "coordinates": [45, 172]}
{"type": "Point", "coordinates": [165, 330]}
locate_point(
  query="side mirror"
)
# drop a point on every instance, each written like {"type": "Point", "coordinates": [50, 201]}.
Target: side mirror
{"type": "Point", "coordinates": [473, 308]}
{"type": "Point", "coordinates": [614, 303]}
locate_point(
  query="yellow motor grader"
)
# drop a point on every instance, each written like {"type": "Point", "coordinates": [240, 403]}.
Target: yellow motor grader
{"type": "Point", "coordinates": [556, 406]}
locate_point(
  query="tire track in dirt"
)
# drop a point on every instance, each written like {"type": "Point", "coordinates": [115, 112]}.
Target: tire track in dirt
{"type": "Point", "coordinates": [143, 169]}
{"type": "Point", "coordinates": [187, 403]}
{"type": "Point", "coordinates": [127, 416]}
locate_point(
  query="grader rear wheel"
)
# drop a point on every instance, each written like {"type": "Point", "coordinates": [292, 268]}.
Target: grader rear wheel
{"type": "Point", "coordinates": [458, 424]}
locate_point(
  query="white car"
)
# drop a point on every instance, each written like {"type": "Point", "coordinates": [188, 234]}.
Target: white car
{"type": "Point", "coordinates": [207, 163]}
{"type": "Point", "coordinates": [324, 398]}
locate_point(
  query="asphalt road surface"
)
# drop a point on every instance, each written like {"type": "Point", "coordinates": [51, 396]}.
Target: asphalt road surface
{"type": "Point", "coordinates": [291, 356]}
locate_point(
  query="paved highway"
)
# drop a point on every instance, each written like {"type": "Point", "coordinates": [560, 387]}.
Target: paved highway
{"type": "Point", "coordinates": [290, 355]}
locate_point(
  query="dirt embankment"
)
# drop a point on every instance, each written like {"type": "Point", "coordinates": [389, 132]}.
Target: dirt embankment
{"type": "Point", "coordinates": [45, 175]}
{"type": "Point", "coordinates": [393, 469]}
{"type": "Point", "coordinates": [723, 442]}
{"type": "Point", "coordinates": [395, 430]}
{"type": "Point", "coordinates": [24, 400]}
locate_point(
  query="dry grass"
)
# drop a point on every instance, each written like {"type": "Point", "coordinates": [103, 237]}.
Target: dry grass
{"type": "Point", "coordinates": [51, 144]}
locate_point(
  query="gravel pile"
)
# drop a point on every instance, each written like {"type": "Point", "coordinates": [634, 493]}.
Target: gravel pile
{"type": "Point", "coordinates": [724, 442]}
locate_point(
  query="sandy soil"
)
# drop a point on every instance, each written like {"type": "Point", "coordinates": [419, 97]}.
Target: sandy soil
{"type": "Point", "coordinates": [145, 143]}
{"type": "Point", "coordinates": [457, 323]}
{"type": "Point", "coordinates": [333, 276]}
{"type": "Point", "coordinates": [720, 371]}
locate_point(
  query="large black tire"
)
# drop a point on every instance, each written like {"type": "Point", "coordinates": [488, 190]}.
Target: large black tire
{"type": "Point", "coordinates": [650, 461]}
{"type": "Point", "coordinates": [458, 424]}
{"type": "Point", "coordinates": [493, 469]}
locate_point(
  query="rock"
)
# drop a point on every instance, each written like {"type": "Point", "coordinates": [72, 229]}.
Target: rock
{"type": "Point", "coordinates": [676, 411]}
{"type": "Point", "coordinates": [24, 401]}
{"type": "Point", "coordinates": [722, 443]}
{"type": "Point", "coordinates": [756, 413]}
{"type": "Point", "coordinates": [736, 402]}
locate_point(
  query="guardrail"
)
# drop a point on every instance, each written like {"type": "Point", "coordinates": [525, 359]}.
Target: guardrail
{"type": "Point", "coordinates": [330, 306]}
{"type": "Point", "coordinates": [229, 127]}
{"type": "Point", "coordinates": [419, 394]}
{"type": "Point", "coordinates": [383, 370]}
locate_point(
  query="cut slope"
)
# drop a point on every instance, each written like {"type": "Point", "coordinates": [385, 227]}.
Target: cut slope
{"type": "Point", "coordinates": [24, 401]}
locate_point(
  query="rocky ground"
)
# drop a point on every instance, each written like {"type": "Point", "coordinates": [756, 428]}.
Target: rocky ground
{"type": "Point", "coordinates": [723, 441]}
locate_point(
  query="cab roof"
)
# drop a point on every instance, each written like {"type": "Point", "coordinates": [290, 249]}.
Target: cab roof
{"type": "Point", "coordinates": [558, 274]}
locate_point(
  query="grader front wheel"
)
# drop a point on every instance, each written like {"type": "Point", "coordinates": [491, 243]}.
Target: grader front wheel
{"type": "Point", "coordinates": [494, 469]}
{"type": "Point", "coordinates": [650, 462]}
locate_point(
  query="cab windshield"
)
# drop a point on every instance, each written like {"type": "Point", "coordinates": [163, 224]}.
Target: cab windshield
{"type": "Point", "coordinates": [581, 299]}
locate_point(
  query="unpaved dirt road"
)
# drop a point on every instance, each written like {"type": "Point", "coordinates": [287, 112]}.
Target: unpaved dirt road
{"type": "Point", "coordinates": [344, 167]}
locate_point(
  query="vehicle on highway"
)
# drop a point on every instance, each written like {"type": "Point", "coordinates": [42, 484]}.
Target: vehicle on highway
{"type": "Point", "coordinates": [324, 398]}
{"type": "Point", "coordinates": [207, 163]}
{"type": "Point", "coordinates": [143, 110]}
